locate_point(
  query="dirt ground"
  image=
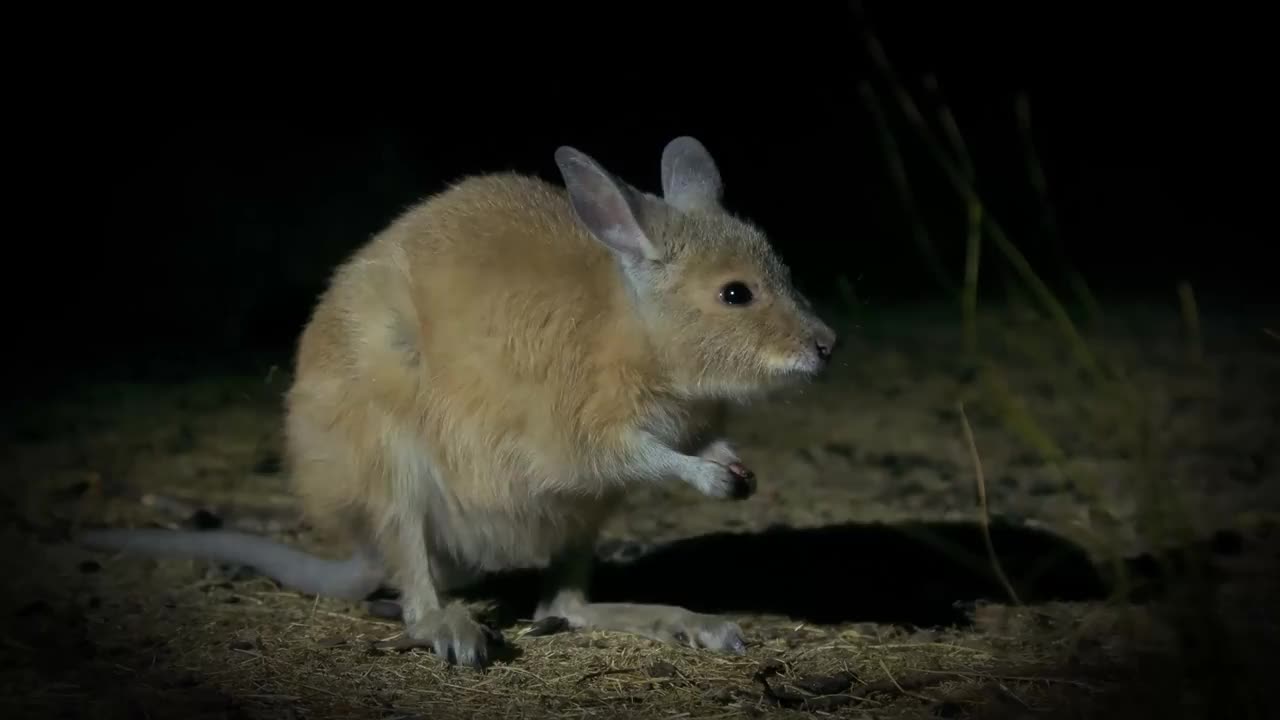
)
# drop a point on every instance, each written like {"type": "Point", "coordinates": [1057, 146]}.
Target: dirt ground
{"type": "Point", "coordinates": [858, 572]}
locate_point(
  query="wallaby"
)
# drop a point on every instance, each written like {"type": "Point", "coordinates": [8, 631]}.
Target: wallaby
{"type": "Point", "coordinates": [482, 381]}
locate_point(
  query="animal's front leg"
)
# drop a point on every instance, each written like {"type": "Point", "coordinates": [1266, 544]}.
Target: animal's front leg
{"type": "Point", "coordinates": [715, 472]}
{"type": "Point", "coordinates": [565, 595]}
{"type": "Point", "coordinates": [722, 453]}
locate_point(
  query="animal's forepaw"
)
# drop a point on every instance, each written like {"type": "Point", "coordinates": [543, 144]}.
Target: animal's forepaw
{"type": "Point", "coordinates": [453, 635]}
{"type": "Point", "coordinates": [719, 481]}
{"type": "Point", "coordinates": [728, 478]}
{"type": "Point", "coordinates": [709, 632]}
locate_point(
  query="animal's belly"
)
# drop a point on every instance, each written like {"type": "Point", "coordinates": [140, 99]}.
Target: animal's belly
{"type": "Point", "coordinates": [492, 538]}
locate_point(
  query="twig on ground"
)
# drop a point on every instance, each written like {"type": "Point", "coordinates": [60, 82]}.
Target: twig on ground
{"type": "Point", "coordinates": [898, 685]}
{"type": "Point", "coordinates": [982, 500]}
{"type": "Point", "coordinates": [973, 675]}
{"type": "Point", "coordinates": [830, 699]}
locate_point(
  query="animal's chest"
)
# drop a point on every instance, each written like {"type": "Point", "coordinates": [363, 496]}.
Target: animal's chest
{"type": "Point", "coordinates": [689, 427]}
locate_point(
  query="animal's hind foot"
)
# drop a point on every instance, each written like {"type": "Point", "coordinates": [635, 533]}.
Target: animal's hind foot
{"type": "Point", "coordinates": [453, 635]}
{"type": "Point", "coordinates": [700, 631]}
{"type": "Point", "coordinates": [664, 623]}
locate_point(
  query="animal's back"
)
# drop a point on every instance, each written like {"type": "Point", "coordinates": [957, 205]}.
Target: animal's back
{"type": "Point", "coordinates": [482, 339]}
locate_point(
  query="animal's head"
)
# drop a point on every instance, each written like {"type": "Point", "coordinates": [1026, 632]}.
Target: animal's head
{"type": "Point", "coordinates": [716, 299]}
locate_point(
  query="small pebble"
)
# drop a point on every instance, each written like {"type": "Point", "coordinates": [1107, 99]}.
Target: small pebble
{"type": "Point", "coordinates": [723, 696]}
{"type": "Point", "coordinates": [549, 625]}
{"type": "Point", "coordinates": [826, 684]}
{"type": "Point", "coordinates": [663, 669]}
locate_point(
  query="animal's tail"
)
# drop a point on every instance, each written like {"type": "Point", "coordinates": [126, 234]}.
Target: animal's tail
{"type": "Point", "coordinates": [350, 579]}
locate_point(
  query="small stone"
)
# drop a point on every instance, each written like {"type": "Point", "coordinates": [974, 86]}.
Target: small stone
{"type": "Point", "coordinates": [246, 640]}
{"type": "Point", "coordinates": [663, 669]}
{"type": "Point", "coordinates": [724, 696]}
{"type": "Point", "coordinates": [204, 520]}
{"type": "Point", "coordinates": [826, 684]}
{"type": "Point", "coordinates": [771, 666]}
{"type": "Point", "coordinates": [550, 625]}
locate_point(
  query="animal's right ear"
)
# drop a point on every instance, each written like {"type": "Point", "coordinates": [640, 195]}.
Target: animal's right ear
{"type": "Point", "coordinates": [607, 208]}
{"type": "Point", "coordinates": [690, 178]}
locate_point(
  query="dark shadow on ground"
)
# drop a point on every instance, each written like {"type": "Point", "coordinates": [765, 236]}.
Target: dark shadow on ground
{"type": "Point", "coordinates": [918, 574]}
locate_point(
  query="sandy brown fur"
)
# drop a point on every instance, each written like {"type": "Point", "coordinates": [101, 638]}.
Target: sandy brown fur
{"type": "Point", "coordinates": [519, 375]}
{"type": "Point", "coordinates": [489, 324]}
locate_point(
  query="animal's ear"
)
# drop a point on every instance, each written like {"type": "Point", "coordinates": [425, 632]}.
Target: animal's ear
{"type": "Point", "coordinates": [609, 209]}
{"type": "Point", "coordinates": [690, 178]}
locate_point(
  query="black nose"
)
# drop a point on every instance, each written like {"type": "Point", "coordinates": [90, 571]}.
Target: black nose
{"type": "Point", "coordinates": [825, 343]}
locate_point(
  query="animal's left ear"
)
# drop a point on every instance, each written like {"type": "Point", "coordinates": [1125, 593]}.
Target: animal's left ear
{"type": "Point", "coordinates": [690, 178]}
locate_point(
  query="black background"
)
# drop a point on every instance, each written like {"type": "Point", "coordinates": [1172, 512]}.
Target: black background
{"type": "Point", "coordinates": [193, 192]}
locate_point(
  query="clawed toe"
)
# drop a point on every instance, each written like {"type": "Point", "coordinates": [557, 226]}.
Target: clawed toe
{"type": "Point", "coordinates": [743, 481]}
{"type": "Point", "coordinates": [727, 638]}
{"type": "Point", "coordinates": [710, 633]}
{"type": "Point", "coordinates": [454, 637]}
{"type": "Point", "coordinates": [736, 645]}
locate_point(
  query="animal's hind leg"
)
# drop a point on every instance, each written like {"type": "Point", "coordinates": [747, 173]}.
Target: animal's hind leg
{"type": "Point", "coordinates": [566, 596]}
{"type": "Point", "coordinates": [431, 621]}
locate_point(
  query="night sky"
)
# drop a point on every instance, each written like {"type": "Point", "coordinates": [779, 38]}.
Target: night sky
{"type": "Point", "coordinates": [196, 194]}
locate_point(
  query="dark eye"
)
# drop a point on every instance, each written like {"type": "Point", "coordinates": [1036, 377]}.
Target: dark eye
{"type": "Point", "coordinates": [735, 293]}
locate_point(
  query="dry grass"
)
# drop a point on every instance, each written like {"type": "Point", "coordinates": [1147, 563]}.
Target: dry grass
{"type": "Point", "coordinates": [1164, 517]}
{"type": "Point", "coordinates": [854, 461]}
